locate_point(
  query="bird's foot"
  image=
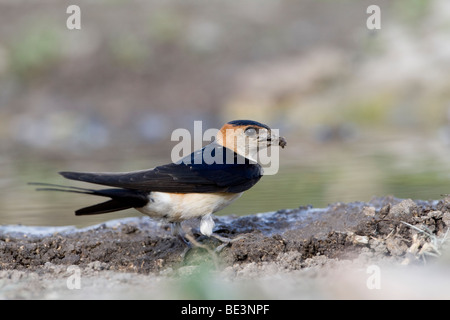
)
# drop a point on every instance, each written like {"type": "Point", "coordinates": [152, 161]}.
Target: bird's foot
{"type": "Point", "coordinates": [191, 242]}
{"type": "Point", "coordinates": [188, 246]}
{"type": "Point", "coordinates": [225, 241]}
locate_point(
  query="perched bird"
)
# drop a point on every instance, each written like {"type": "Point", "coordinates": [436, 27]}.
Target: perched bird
{"type": "Point", "coordinates": [198, 185]}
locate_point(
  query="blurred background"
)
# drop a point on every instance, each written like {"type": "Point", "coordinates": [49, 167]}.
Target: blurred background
{"type": "Point", "coordinates": [366, 112]}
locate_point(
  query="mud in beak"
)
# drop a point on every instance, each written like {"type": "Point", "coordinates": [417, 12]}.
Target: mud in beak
{"type": "Point", "coordinates": [282, 142]}
{"type": "Point", "coordinates": [274, 139]}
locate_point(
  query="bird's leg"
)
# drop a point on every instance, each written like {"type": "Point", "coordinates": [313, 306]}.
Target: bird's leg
{"type": "Point", "coordinates": [206, 228]}
{"type": "Point", "coordinates": [190, 242]}
{"type": "Point", "coordinates": [187, 239]}
{"type": "Point", "coordinates": [177, 230]}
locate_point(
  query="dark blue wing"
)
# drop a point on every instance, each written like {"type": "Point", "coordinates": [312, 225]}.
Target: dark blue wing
{"type": "Point", "coordinates": [212, 169]}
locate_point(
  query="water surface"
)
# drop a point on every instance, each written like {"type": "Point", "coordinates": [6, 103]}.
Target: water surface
{"type": "Point", "coordinates": [309, 178]}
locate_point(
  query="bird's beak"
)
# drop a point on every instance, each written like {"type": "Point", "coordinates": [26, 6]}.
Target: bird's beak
{"type": "Point", "coordinates": [274, 139]}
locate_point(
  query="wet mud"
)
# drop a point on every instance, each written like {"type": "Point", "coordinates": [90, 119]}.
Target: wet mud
{"type": "Point", "coordinates": [401, 231]}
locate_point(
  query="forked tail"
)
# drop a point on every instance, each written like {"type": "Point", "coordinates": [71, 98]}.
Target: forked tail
{"type": "Point", "coordinates": [121, 199]}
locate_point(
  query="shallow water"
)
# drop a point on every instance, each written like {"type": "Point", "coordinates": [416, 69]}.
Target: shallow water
{"type": "Point", "coordinates": [338, 176]}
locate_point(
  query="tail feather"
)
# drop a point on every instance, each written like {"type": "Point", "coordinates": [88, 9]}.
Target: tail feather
{"type": "Point", "coordinates": [58, 187]}
{"type": "Point", "coordinates": [121, 199]}
{"type": "Point", "coordinates": [104, 207]}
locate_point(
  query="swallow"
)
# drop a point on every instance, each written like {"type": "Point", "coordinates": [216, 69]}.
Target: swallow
{"type": "Point", "coordinates": [196, 186]}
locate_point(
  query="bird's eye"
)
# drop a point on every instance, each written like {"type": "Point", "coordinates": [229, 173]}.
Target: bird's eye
{"type": "Point", "coordinates": [250, 131]}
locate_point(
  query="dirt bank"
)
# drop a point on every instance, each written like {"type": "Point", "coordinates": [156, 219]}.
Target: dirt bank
{"type": "Point", "coordinates": [385, 231]}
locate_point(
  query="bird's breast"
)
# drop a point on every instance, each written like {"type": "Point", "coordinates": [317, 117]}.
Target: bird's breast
{"type": "Point", "coordinates": [183, 206]}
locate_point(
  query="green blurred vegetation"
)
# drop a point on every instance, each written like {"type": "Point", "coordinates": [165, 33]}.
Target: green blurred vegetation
{"type": "Point", "coordinates": [412, 11]}
{"type": "Point", "coordinates": [35, 52]}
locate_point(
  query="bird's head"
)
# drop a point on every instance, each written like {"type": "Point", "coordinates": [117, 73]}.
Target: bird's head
{"type": "Point", "coordinates": [247, 137]}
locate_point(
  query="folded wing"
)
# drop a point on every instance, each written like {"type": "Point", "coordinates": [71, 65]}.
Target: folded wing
{"type": "Point", "coordinates": [193, 174]}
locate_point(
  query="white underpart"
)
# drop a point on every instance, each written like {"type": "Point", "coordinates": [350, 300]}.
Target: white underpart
{"type": "Point", "coordinates": [176, 207]}
{"type": "Point", "coordinates": [207, 225]}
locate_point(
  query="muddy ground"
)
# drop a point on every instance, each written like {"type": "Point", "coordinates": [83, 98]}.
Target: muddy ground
{"type": "Point", "coordinates": [292, 250]}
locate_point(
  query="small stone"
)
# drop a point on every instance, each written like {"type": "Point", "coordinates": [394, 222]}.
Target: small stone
{"type": "Point", "coordinates": [404, 209]}
{"type": "Point", "coordinates": [369, 211]}
{"type": "Point", "coordinates": [360, 239]}
{"type": "Point", "coordinates": [446, 218]}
